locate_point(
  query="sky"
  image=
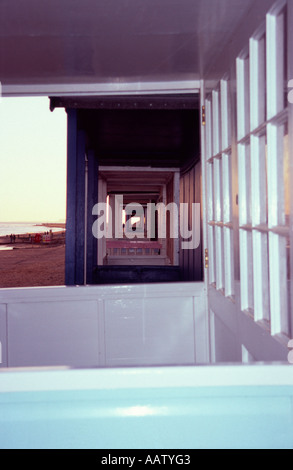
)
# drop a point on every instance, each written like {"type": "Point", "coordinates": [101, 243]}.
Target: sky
{"type": "Point", "coordinates": [32, 161]}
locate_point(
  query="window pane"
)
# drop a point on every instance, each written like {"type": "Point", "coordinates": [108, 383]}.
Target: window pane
{"type": "Point", "coordinates": [227, 193]}
{"type": "Point", "coordinates": [277, 73]}
{"type": "Point", "coordinates": [278, 175]}
{"type": "Point", "coordinates": [246, 269]}
{"type": "Point", "coordinates": [210, 189]}
{"type": "Point", "coordinates": [225, 114]}
{"type": "Point", "coordinates": [243, 121]}
{"type": "Point", "coordinates": [261, 276]}
{"type": "Point", "coordinates": [284, 170]}
{"type": "Point", "coordinates": [257, 81]}
{"type": "Point", "coordinates": [244, 169]}
{"type": "Point", "coordinates": [259, 180]}
{"type": "Point", "coordinates": [279, 285]}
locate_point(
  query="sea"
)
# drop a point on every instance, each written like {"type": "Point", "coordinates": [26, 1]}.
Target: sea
{"type": "Point", "coordinates": [19, 228]}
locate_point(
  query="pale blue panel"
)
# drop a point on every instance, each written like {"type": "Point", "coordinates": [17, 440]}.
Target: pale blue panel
{"type": "Point", "coordinates": [225, 417]}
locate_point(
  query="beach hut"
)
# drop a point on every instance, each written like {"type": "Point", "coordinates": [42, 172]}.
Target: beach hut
{"type": "Point", "coordinates": [155, 344]}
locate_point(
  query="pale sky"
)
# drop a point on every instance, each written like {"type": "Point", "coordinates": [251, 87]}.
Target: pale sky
{"type": "Point", "coordinates": [32, 161]}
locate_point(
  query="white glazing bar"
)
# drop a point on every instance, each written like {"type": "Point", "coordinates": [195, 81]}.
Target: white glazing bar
{"type": "Point", "coordinates": [275, 64]}
{"type": "Point", "coordinates": [227, 232]}
{"type": "Point", "coordinates": [244, 184]}
{"type": "Point", "coordinates": [246, 271]}
{"type": "Point", "coordinates": [263, 180]}
{"type": "Point", "coordinates": [275, 136]}
{"type": "Point", "coordinates": [259, 239]}
{"type": "Point", "coordinates": [210, 191]}
{"type": "Point", "coordinates": [215, 190]}
{"type": "Point", "coordinates": [240, 98]}
{"type": "Point", "coordinates": [279, 284]}
{"type": "Point", "coordinates": [242, 76]}
{"type": "Point", "coordinates": [225, 115]}
{"type": "Point", "coordinates": [226, 178]}
{"type": "Point", "coordinates": [257, 81]}
{"type": "Point", "coordinates": [211, 249]}
{"type": "Point", "coordinates": [218, 218]}
{"type": "Point", "coordinates": [216, 123]}
{"type": "Point", "coordinates": [204, 186]}
{"type": "Point", "coordinates": [228, 261]}
{"type": "Point", "coordinates": [218, 189]}
{"type": "Point", "coordinates": [261, 276]}
{"type": "Point", "coordinates": [255, 189]}
{"type": "Point", "coordinates": [219, 257]}
{"type": "Point", "coordinates": [254, 83]}
{"type": "Point", "coordinates": [262, 79]}
{"type": "Point", "coordinates": [208, 126]}
{"type": "Point", "coordinates": [258, 181]}
{"type": "Point", "coordinates": [243, 269]}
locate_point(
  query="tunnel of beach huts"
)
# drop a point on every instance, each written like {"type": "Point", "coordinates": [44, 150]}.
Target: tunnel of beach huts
{"type": "Point", "coordinates": [145, 150]}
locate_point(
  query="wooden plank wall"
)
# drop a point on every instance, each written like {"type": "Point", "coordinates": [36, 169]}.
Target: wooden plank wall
{"type": "Point", "coordinates": [170, 241]}
{"type": "Point", "coordinates": [78, 227]}
{"type": "Point", "coordinates": [191, 261]}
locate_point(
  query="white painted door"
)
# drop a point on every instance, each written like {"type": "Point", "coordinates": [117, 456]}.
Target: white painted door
{"type": "Point", "coordinates": [247, 157]}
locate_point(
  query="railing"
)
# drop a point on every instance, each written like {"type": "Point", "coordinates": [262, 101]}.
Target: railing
{"type": "Point", "coordinates": [98, 326]}
{"type": "Point", "coordinates": [133, 248]}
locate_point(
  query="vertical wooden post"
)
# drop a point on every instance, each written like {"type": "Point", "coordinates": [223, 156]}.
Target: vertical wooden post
{"type": "Point", "coordinates": [80, 208]}
{"type": "Point", "coordinates": [92, 243]}
{"type": "Point", "coordinates": [75, 224]}
{"type": "Point", "coordinates": [71, 197]}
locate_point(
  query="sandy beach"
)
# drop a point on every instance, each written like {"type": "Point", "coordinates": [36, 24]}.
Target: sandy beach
{"type": "Point", "coordinates": [29, 264]}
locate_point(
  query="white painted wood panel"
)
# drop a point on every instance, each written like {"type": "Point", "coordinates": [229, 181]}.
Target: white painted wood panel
{"type": "Point", "coordinates": [53, 333]}
{"type": "Point", "coordinates": [141, 331]}
{"type": "Point", "coordinates": [105, 325]}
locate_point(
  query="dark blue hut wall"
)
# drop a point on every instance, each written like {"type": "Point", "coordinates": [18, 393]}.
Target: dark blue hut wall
{"type": "Point", "coordinates": [191, 261]}
{"type": "Point", "coordinates": [79, 217]}
{"type": "Point", "coordinates": [80, 208]}
{"type": "Point", "coordinates": [92, 191]}
{"type": "Point", "coordinates": [71, 197]}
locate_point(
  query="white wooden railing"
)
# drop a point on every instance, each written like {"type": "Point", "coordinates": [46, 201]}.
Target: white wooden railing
{"type": "Point", "coordinates": [96, 326]}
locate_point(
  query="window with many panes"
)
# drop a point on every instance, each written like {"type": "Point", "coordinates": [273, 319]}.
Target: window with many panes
{"type": "Point", "coordinates": [263, 177]}
{"type": "Point", "coordinates": [263, 173]}
{"type": "Point", "coordinates": [219, 204]}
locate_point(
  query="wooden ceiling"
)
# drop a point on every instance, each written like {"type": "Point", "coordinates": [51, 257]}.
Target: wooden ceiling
{"type": "Point", "coordinates": [111, 42]}
{"type": "Point", "coordinates": [136, 184]}
{"type": "Point", "coordinates": [156, 138]}
{"type": "Point", "coordinates": [158, 131]}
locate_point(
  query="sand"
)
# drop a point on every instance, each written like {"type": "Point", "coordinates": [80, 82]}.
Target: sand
{"type": "Point", "coordinates": [32, 265]}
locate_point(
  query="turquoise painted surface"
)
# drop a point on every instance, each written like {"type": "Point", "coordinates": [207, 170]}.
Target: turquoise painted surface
{"type": "Point", "coordinates": [187, 418]}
